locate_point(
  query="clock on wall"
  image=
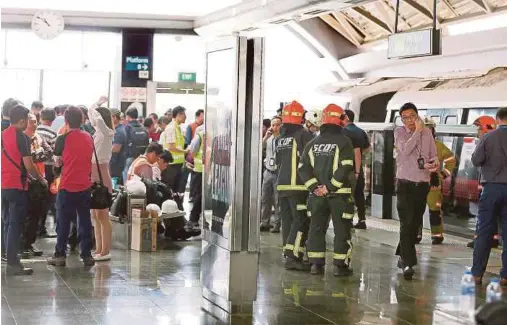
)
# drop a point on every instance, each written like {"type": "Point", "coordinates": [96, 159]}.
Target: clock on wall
{"type": "Point", "coordinates": [47, 24]}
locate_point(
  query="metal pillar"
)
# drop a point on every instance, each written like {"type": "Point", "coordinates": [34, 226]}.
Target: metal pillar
{"type": "Point", "coordinates": [232, 175]}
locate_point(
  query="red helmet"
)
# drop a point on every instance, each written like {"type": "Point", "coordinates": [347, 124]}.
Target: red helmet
{"type": "Point", "coordinates": [485, 124]}
{"type": "Point", "coordinates": [333, 114]}
{"type": "Point", "coordinates": [293, 113]}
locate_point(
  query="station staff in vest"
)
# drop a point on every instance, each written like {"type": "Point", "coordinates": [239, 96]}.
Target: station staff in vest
{"type": "Point", "coordinates": [292, 194]}
{"type": "Point", "coordinates": [327, 168]}
{"type": "Point", "coordinates": [175, 143]}
{"type": "Point", "coordinates": [435, 196]}
{"type": "Point", "coordinates": [197, 149]}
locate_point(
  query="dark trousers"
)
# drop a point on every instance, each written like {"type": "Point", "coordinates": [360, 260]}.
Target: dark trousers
{"type": "Point", "coordinates": [36, 210]}
{"type": "Point", "coordinates": [14, 210]}
{"type": "Point", "coordinates": [172, 176]}
{"type": "Point", "coordinates": [359, 197]}
{"type": "Point", "coordinates": [197, 196]}
{"type": "Point", "coordinates": [411, 204]}
{"type": "Point", "coordinates": [295, 223]}
{"type": "Point", "coordinates": [195, 186]}
{"type": "Point", "coordinates": [50, 202]}
{"type": "Point", "coordinates": [492, 204]}
{"type": "Point", "coordinates": [341, 210]}
{"type": "Point", "coordinates": [68, 206]}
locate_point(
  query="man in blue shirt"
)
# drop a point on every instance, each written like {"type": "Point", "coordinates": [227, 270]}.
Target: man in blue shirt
{"type": "Point", "coordinates": [491, 155]}
{"type": "Point", "coordinates": [119, 156]}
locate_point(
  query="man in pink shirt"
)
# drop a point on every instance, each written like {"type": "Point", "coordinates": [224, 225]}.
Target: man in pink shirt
{"type": "Point", "coordinates": [416, 158]}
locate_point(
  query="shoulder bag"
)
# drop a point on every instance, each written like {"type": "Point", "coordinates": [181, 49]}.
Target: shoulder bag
{"type": "Point", "coordinates": [101, 198]}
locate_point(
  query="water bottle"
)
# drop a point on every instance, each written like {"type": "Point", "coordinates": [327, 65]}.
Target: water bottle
{"type": "Point", "coordinates": [467, 299]}
{"type": "Point", "coordinates": [493, 291]}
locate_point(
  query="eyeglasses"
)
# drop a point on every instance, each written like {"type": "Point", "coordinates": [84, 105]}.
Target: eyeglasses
{"type": "Point", "coordinates": [408, 118]}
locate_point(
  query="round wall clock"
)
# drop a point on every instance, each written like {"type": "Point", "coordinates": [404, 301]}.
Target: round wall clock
{"type": "Point", "coordinates": [47, 24]}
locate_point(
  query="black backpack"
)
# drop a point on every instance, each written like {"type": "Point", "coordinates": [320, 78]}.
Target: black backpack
{"type": "Point", "coordinates": [138, 140]}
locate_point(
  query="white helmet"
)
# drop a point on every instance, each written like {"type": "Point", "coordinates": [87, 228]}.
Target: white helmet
{"type": "Point", "coordinates": [314, 116]}
{"type": "Point", "coordinates": [169, 207]}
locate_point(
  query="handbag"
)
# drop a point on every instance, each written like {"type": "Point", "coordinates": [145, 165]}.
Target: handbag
{"type": "Point", "coordinates": [37, 191]}
{"type": "Point", "coordinates": [101, 198]}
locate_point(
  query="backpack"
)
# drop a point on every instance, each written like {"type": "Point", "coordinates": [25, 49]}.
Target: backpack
{"type": "Point", "coordinates": [138, 140]}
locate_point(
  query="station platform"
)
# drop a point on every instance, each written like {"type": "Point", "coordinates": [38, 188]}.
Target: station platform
{"type": "Point", "coordinates": [164, 288]}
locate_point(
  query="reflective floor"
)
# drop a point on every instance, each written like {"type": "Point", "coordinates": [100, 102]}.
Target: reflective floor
{"type": "Point", "coordinates": [163, 287]}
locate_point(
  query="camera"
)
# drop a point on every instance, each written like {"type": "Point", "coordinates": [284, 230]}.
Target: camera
{"type": "Point", "coordinates": [420, 163]}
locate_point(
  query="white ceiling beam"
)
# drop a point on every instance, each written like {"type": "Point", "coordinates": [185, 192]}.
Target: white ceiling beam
{"type": "Point", "coordinates": [379, 5]}
{"type": "Point", "coordinates": [450, 7]}
{"type": "Point", "coordinates": [331, 21]}
{"type": "Point", "coordinates": [374, 20]}
{"type": "Point", "coordinates": [483, 5]}
{"type": "Point", "coordinates": [420, 8]}
{"type": "Point", "coordinates": [348, 27]}
{"type": "Point", "coordinates": [393, 12]}
{"type": "Point", "coordinates": [356, 25]}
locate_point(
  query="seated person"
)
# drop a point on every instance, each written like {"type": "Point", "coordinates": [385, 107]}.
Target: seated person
{"type": "Point", "coordinates": [142, 166]}
{"type": "Point", "coordinates": [165, 159]}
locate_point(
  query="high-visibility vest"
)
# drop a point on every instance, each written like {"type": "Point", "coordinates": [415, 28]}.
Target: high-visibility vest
{"type": "Point", "coordinates": [178, 157]}
{"type": "Point", "coordinates": [198, 166]}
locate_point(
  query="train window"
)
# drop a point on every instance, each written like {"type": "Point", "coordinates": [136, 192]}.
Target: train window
{"type": "Point", "coordinates": [474, 113]}
{"type": "Point", "coordinates": [398, 121]}
{"type": "Point", "coordinates": [435, 118]}
{"type": "Point", "coordinates": [451, 119]}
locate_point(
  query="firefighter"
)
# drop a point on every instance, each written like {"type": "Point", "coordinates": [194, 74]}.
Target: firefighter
{"type": "Point", "coordinates": [292, 194]}
{"type": "Point", "coordinates": [313, 121]}
{"type": "Point", "coordinates": [435, 196]}
{"type": "Point", "coordinates": [327, 169]}
{"type": "Point", "coordinates": [484, 125]}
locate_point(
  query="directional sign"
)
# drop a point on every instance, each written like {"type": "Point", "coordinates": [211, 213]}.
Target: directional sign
{"type": "Point", "coordinates": [136, 63]}
{"type": "Point", "coordinates": [187, 76]}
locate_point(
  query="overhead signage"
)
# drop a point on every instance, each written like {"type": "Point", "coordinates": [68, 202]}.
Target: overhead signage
{"type": "Point", "coordinates": [133, 94]}
{"type": "Point", "coordinates": [426, 42]}
{"type": "Point", "coordinates": [136, 63]}
{"type": "Point", "coordinates": [187, 76]}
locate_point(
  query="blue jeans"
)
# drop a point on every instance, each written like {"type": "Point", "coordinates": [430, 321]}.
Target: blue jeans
{"type": "Point", "coordinates": [14, 210]}
{"type": "Point", "coordinates": [492, 207]}
{"type": "Point", "coordinates": [68, 206]}
{"type": "Point", "coordinates": [126, 169]}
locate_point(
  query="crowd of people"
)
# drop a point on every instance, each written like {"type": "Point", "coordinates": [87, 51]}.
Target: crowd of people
{"type": "Point", "coordinates": [313, 173]}
{"type": "Point", "coordinates": [54, 158]}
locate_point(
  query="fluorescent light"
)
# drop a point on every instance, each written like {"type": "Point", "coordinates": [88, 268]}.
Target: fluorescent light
{"type": "Point", "coordinates": [478, 25]}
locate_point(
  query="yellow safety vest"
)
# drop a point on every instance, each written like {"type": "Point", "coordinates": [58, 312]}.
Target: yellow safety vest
{"type": "Point", "coordinates": [198, 166]}
{"type": "Point", "coordinates": [178, 157]}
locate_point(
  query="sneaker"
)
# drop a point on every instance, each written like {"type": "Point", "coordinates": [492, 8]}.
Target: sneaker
{"type": "Point", "coordinates": [57, 260]}
{"type": "Point", "coordinates": [317, 269]}
{"type": "Point", "coordinates": [275, 230]}
{"type": "Point", "coordinates": [89, 260]}
{"type": "Point", "coordinates": [33, 251]}
{"type": "Point", "coordinates": [342, 271]}
{"type": "Point", "coordinates": [360, 225]}
{"type": "Point", "coordinates": [265, 228]}
{"type": "Point", "coordinates": [102, 258]}
{"type": "Point", "coordinates": [292, 264]}
{"type": "Point", "coordinates": [437, 240]}
{"type": "Point", "coordinates": [14, 270]}
{"type": "Point", "coordinates": [408, 272]}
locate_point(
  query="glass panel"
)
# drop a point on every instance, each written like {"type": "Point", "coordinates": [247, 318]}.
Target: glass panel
{"type": "Point", "coordinates": [474, 113]}
{"type": "Point", "coordinates": [26, 50]}
{"type": "Point", "coordinates": [451, 119]}
{"type": "Point", "coordinates": [22, 84]}
{"type": "Point", "coordinates": [435, 118]}
{"type": "Point", "coordinates": [74, 87]}
{"type": "Point", "coordinates": [378, 163]}
{"type": "Point", "coordinates": [220, 105]}
{"type": "Point", "coordinates": [101, 51]}
{"type": "Point", "coordinates": [191, 102]}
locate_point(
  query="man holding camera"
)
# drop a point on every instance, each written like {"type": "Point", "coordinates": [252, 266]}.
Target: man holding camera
{"type": "Point", "coordinates": [416, 159]}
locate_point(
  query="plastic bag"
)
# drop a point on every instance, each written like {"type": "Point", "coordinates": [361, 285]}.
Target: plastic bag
{"type": "Point", "coordinates": [136, 187]}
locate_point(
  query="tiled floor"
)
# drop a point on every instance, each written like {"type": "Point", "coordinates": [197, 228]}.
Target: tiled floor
{"type": "Point", "coordinates": [163, 288]}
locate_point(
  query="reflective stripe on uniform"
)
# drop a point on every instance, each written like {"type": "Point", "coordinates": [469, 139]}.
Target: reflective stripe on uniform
{"type": "Point", "coordinates": [337, 295]}
{"type": "Point", "coordinates": [336, 183]}
{"type": "Point", "coordinates": [348, 216]}
{"type": "Point", "coordinates": [301, 207]}
{"type": "Point", "coordinates": [336, 159]}
{"type": "Point", "coordinates": [312, 293]}
{"type": "Point", "coordinates": [297, 243]}
{"type": "Point", "coordinates": [347, 162]}
{"type": "Point", "coordinates": [312, 157]}
{"type": "Point", "coordinates": [316, 254]}
{"type": "Point", "coordinates": [291, 188]}
{"type": "Point", "coordinates": [178, 157]}
{"type": "Point", "coordinates": [340, 256]}
{"type": "Point", "coordinates": [309, 214]}
{"type": "Point", "coordinates": [293, 171]}
{"type": "Point", "coordinates": [345, 190]}
{"type": "Point", "coordinates": [311, 182]}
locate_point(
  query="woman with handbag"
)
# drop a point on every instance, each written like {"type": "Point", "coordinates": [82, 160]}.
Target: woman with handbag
{"type": "Point", "coordinates": [101, 120]}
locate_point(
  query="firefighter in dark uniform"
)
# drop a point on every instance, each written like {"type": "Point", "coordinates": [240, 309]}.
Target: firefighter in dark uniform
{"type": "Point", "coordinates": [292, 194]}
{"type": "Point", "coordinates": [327, 168]}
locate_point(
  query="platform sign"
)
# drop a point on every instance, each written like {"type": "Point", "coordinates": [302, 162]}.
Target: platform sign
{"type": "Point", "coordinates": [426, 42]}
{"type": "Point", "coordinates": [136, 63]}
{"type": "Point", "coordinates": [187, 76]}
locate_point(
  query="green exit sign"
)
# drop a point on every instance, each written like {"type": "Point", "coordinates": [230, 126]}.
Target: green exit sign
{"type": "Point", "coordinates": [186, 76]}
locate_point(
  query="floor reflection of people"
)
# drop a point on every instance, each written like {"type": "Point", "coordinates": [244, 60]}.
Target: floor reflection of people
{"type": "Point", "coordinates": [100, 281]}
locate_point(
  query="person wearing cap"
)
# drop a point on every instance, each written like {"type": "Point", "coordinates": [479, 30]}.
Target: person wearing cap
{"type": "Point", "coordinates": [292, 193]}
{"type": "Point", "coordinates": [491, 156]}
{"type": "Point", "coordinates": [313, 121]}
{"type": "Point", "coordinates": [119, 156]}
{"type": "Point", "coordinates": [416, 159]}
{"type": "Point", "coordinates": [327, 170]}
{"type": "Point", "coordinates": [435, 196]}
